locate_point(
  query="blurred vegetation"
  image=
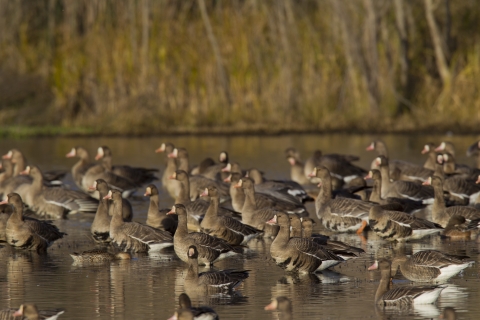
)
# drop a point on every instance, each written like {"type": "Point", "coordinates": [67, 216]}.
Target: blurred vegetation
{"type": "Point", "coordinates": [157, 66]}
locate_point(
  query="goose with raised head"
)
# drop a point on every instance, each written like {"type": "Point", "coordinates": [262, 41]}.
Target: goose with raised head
{"type": "Point", "coordinates": [339, 214]}
{"type": "Point", "coordinates": [429, 150]}
{"type": "Point", "coordinates": [172, 186]}
{"type": "Point", "coordinates": [198, 313]}
{"type": "Point", "coordinates": [29, 312]}
{"type": "Point", "coordinates": [405, 295]}
{"type": "Point", "coordinates": [98, 256]}
{"type": "Point", "coordinates": [450, 166]}
{"type": "Point", "coordinates": [30, 234]}
{"type": "Point", "coordinates": [211, 170]}
{"type": "Point", "coordinates": [430, 265]}
{"type": "Point", "coordinates": [20, 162]}
{"type": "Point", "coordinates": [400, 226]}
{"type": "Point", "coordinates": [474, 151]}
{"type": "Point", "coordinates": [402, 189]}
{"type": "Point", "coordinates": [446, 146]}
{"type": "Point", "coordinates": [283, 305]}
{"type": "Point", "coordinates": [81, 166]}
{"type": "Point", "coordinates": [134, 236]}
{"type": "Point", "coordinates": [442, 214]}
{"type": "Point", "coordinates": [210, 248]}
{"type": "Point", "coordinates": [297, 172]}
{"type": "Point", "coordinates": [157, 217]}
{"type": "Point", "coordinates": [216, 281]}
{"type": "Point", "coordinates": [298, 254]}
{"type": "Point", "coordinates": [224, 227]}
{"type": "Point", "coordinates": [10, 183]}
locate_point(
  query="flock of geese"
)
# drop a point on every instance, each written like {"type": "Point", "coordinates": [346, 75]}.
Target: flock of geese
{"type": "Point", "coordinates": [203, 229]}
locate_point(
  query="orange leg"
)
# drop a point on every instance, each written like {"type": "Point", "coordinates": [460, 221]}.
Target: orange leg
{"type": "Point", "coordinates": [360, 230]}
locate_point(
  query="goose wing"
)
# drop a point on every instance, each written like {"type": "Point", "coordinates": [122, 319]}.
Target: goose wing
{"type": "Point", "coordinates": [432, 258]}
{"type": "Point", "coordinates": [311, 248]}
{"type": "Point", "coordinates": [350, 207]}
{"type": "Point", "coordinates": [72, 200]}
{"type": "Point", "coordinates": [44, 228]}
{"type": "Point", "coordinates": [146, 234]}
{"type": "Point", "coordinates": [406, 292]}
{"type": "Point", "coordinates": [205, 240]}
{"type": "Point", "coordinates": [409, 221]}
{"type": "Point", "coordinates": [225, 278]}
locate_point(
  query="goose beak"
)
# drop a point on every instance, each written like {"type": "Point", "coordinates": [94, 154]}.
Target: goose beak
{"type": "Point", "coordinates": [8, 155]}
{"type": "Point", "coordinates": [273, 220]}
{"type": "Point", "coordinates": [426, 149]}
{"type": "Point", "coordinates": [227, 168]}
{"type": "Point", "coordinates": [109, 195]}
{"type": "Point", "coordinates": [174, 154]}
{"type": "Point", "coordinates": [94, 186]}
{"type": "Point", "coordinates": [26, 172]}
{"type": "Point", "coordinates": [148, 192]}
{"type": "Point", "coordinates": [373, 266]}
{"type": "Point", "coordinates": [427, 182]}
{"type": "Point", "coordinates": [204, 193]}
{"type": "Point", "coordinates": [239, 184]}
{"type": "Point", "coordinates": [371, 147]}
{"type": "Point", "coordinates": [4, 202]}
{"type": "Point", "coordinates": [173, 176]}
{"type": "Point", "coordinates": [272, 306]}
{"type": "Point", "coordinates": [172, 211]}
{"type": "Point", "coordinates": [161, 148]}
{"type": "Point", "coordinates": [228, 179]}
{"type": "Point", "coordinates": [99, 154]}
{"type": "Point", "coordinates": [313, 173]}
{"type": "Point", "coordinates": [71, 154]}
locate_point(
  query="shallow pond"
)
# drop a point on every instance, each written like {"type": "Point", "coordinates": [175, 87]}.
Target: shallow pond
{"type": "Point", "coordinates": [148, 286]}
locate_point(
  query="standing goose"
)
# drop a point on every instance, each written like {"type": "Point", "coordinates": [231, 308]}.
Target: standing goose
{"type": "Point", "coordinates": [474, 151]}
{"type": "Point", "coordinates": [400, 226]}
{"type": "Point", "coordinates": [198, 313]}
{"type": "Point", "coordinates": [210, 248]}
{"type": "Point", "coordinates": [216, 281]}
{"type": "Point", "coordinates": [224, 227]}
{"type": "Point", "coordinates": [440, 213]}
{"type": "Point", "coordinates": [283, 305]}
{"type": "Point", "coordinates": [80, 168]}
{"type": "Point", "coordinates": [134, 236]}
{"type": "Point", "coordinates": [157, 217]}
{"type": "Point", "coordinates": [298, 254]}
{"type": "Point", "coordinates": [430, 265]}
{"type": "Point", "coordinates": [29, 312]}
{"type": "Point", "coordinates": [339, 214]}
{"type": "Point", "coordinates": [30, 234]}
{"type": "Point", "coordinates": [100, 227]}
{"type": "Point", "coordinates": [405, 295]}
{"type": "Point", "coordinates": [171, 185]}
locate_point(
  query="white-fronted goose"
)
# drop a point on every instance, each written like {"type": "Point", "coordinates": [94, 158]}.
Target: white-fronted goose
{"type": "Point", "coordinates": [429, 149]}
{"type": "Point", "coordinates": [10, 183]}
{"type": "Point", "coordinates": [210, 248]}
{"type": "Point", "coordinates": [81, 166]}
{"type": "Point", "coordinates": [283, 305]}
{"type": "Point", "coordinates": [402, 189]}
{"type": "Point", "coordinates": [446, 146]}
{"type": "Point", "coordinates": [157, 217]}
{"type": "Point", "coordinates": [211, 170]}
{"type": "Point", "coordinates": [474, 151]}
{"type": "Point", "coordinates": [451, 167]}
{"type": "Point", "coordinates": [98, 256]}
{"type": "Point", "coordinates": [198, 313]}
{"type": "Point", "coordinates": [172, 186]}
{"type": "Point", "coordinates": [210, 281]}
{"type": "Point", "coordinates": [137, 175]}
{"type": "Point", "coordinates": [297, 172]}
{"type": "Point", "coordinates": [307, 229]}
{"type": "Point", "coordinates": [400, 226]}
{"type": "Point", "coordinates": [223, 227]}
{"type": "Point", "coordinates": [30, 234]}
{"type": "Point", "coordinates": [442, 214]}
{"type": "Point", "coordinates": [405, 295]}
{"type": "Point", "coordinates": [134, 236]}
{"type": "Point", "coordinates": [430, 265]}
{"type": "Point", "coordinates": [298, 254]}
{"type": "Point", "coordinates": [18, 159]}
{"type": "Point", "coordinates": [339, 214]}
{"type": "Point", "coordinates": [29, 312]}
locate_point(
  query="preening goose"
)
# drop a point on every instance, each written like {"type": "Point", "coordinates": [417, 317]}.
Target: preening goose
{"type": "Point", "coordinates": [283, 305]}
{"type": "Point", "coordinates": [404, 295]}
{"type": "Point", "coordinates": [172, 186]}
{"type": "Point", "coordinates": [29, 312]}
{"type": "Point", "coordinates": [157, 217]}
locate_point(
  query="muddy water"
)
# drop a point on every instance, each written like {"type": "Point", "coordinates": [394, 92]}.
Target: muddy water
{"type": "Point", "coordinates": [148, 286]}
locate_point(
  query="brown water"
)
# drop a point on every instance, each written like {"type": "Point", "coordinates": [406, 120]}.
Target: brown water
{"type": "Point", "coordinates": [148, 286]}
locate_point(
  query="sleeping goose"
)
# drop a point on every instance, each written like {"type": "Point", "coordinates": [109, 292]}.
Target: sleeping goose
{"type": "Point", "coordinates": [157, 217]}
{"type": "Point", "coordinates": [339, 214]}
{"type": "Point", "coordinates": [400, 226]}
{"type": "Point", "coordinates": [210, 248]}
{"type": "Point", "coordinates": [134, 236]}
{"type": "Point", "coordinates": [29, 312]}
{"type": "Point", "coordinates": [404, 295]}
{"type": "Point", "coordinates": [283, 305]}
{"type": "Point", "coordinates": [430, 265]}
{"type": "Point", "coordinates": [80, 168]}
{"type": "Point", "coordinates": [298, 254]}
{"type": "Point", "coordinates": [224, 227]}
{"type": "Point", "coordinates": [172, 186]}
{"type": "Point", "coordinates": [198, 313]}
{"type": "Point", "coordinates": [210, 281]}
{"type": "Point", "coordinates": [28, 233]}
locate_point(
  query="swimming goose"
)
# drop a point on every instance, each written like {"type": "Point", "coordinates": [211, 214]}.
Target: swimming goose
{"type": "Point", "coordinates": [172, 186]}
{"type": "Point", "coordinates": [210, 248]}
{"type": "Point", "coordinates": [98, 256]}
{"type": "Point", "coordinates": [298, 254]}
{"type": "Point", "coordinates": [474, 151]}
{"type": "Point", "coordinates": [157, 217]}
{"type": "Point", "coordinates": [429, 149]}
{"type": "Point", "coordinates": [339, 214]}
{"type": "Point", "coordinates": [442, 214]}
{"type": "Point", "coordinates": [80, 168]}
{"type": "Point", "coordinates": [283, 305]}
{"type": "Point", "coordinates": [404, 295]}
{"type": "Point", "coordinates": [134, 236]}
{"type": "Point", "coordinates": [198, 313]}
{"type": "Point", "coordinates": [402, 189]}
{"type": "Point", "coordinates": [29, 312]}
{"type": "Point", "coordinates": [100, 227]}
{"type": "Point", "coordinates": [400, 226]}
{"type": "Point", "coordinates": [430, 265]}
{"type": "Point", "coordinates": [137, 175]}
{"type": "Point", "coordinates": [30, 234]}
{"type": "Point", "coordinates": [223, 227]}
{"type": "Point", "coordinates": [210, 281]}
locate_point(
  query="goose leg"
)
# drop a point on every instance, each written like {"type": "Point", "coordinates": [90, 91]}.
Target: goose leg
{"type": "Point", "coordinates": [360, 230]}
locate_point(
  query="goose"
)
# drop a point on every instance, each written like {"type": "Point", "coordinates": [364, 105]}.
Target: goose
{"type": "Point", "coordinates": [224, 227]}
{"type": "Point", "coordinates": [451, 167]}
{"type": "Point", "coordinates": [405, 295]}
{"type": "Point", "coordinates": [55, 202]}
{"type": "Point", "coordinates": [442, 214]}
{"type": "Point", "coordinates": [216, 281]}
{"type": "Point", "coordinates": [339, 214]}
{"type": "Point", "coordinates": [298, 254]}
{"type": "Point", "coordinates": [18, 159]}
{"type": "Point", "coordinates": [211, 170]}
{"type": "Point", "coordinates": [210, 248]}
{"type": "Point", "coordinates": [100, 227]}
{"type": "Point", "coordinates": [137, 175]}
{"type": "Point", "coordinates": [252, 214]}
{"type": "Point", "coordinates": [198, 313]}
{"type": "Point", "coordinates": [297, 172]}
{"type": "Point", "coordinates": [446, 146]}
{"type": "Point", "coordinates": [30, 312]}
{"type": "Point", "coordinates": [98, 256]}
{"type": "Point", "coordinates": [474, 151]}
{"type": "Point", "coordinates": [172, 186]}
{"type": "Point", "coordinates": [429, 149]}
{"type": "Point", "coordinates": [10, 183]}
{"type": "Point", "coordinates": [79, 168]}
{"type": "Point", "coordinates": [283, 305]}
{"type": "Point", "coordinates": [157, 217]}
{"type": "Point", "coordinates": [402, 189]}
{"type": "Point", "coordinates": [6, 211]}
{"type": "Point", "coordinates": [30, 234]}
{"type": "Point", "coordinates": [307, 229]}
{"type": "Point", "coordinates": [458, 228]}
{"type": "Point", "coordinates": [400, 226]}
{"type": "Point", "coordinates": [134, 236]}
{"type": "Point", "coordinates": [430, 265]}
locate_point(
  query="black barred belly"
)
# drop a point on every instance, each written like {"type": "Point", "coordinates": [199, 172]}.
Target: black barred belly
{"type": "Point", "coordinates": [390, 230]}
{"type": "Point", "coordinates": [341, 224]}
{"type": "Point", "coordinates": [300, 262]}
